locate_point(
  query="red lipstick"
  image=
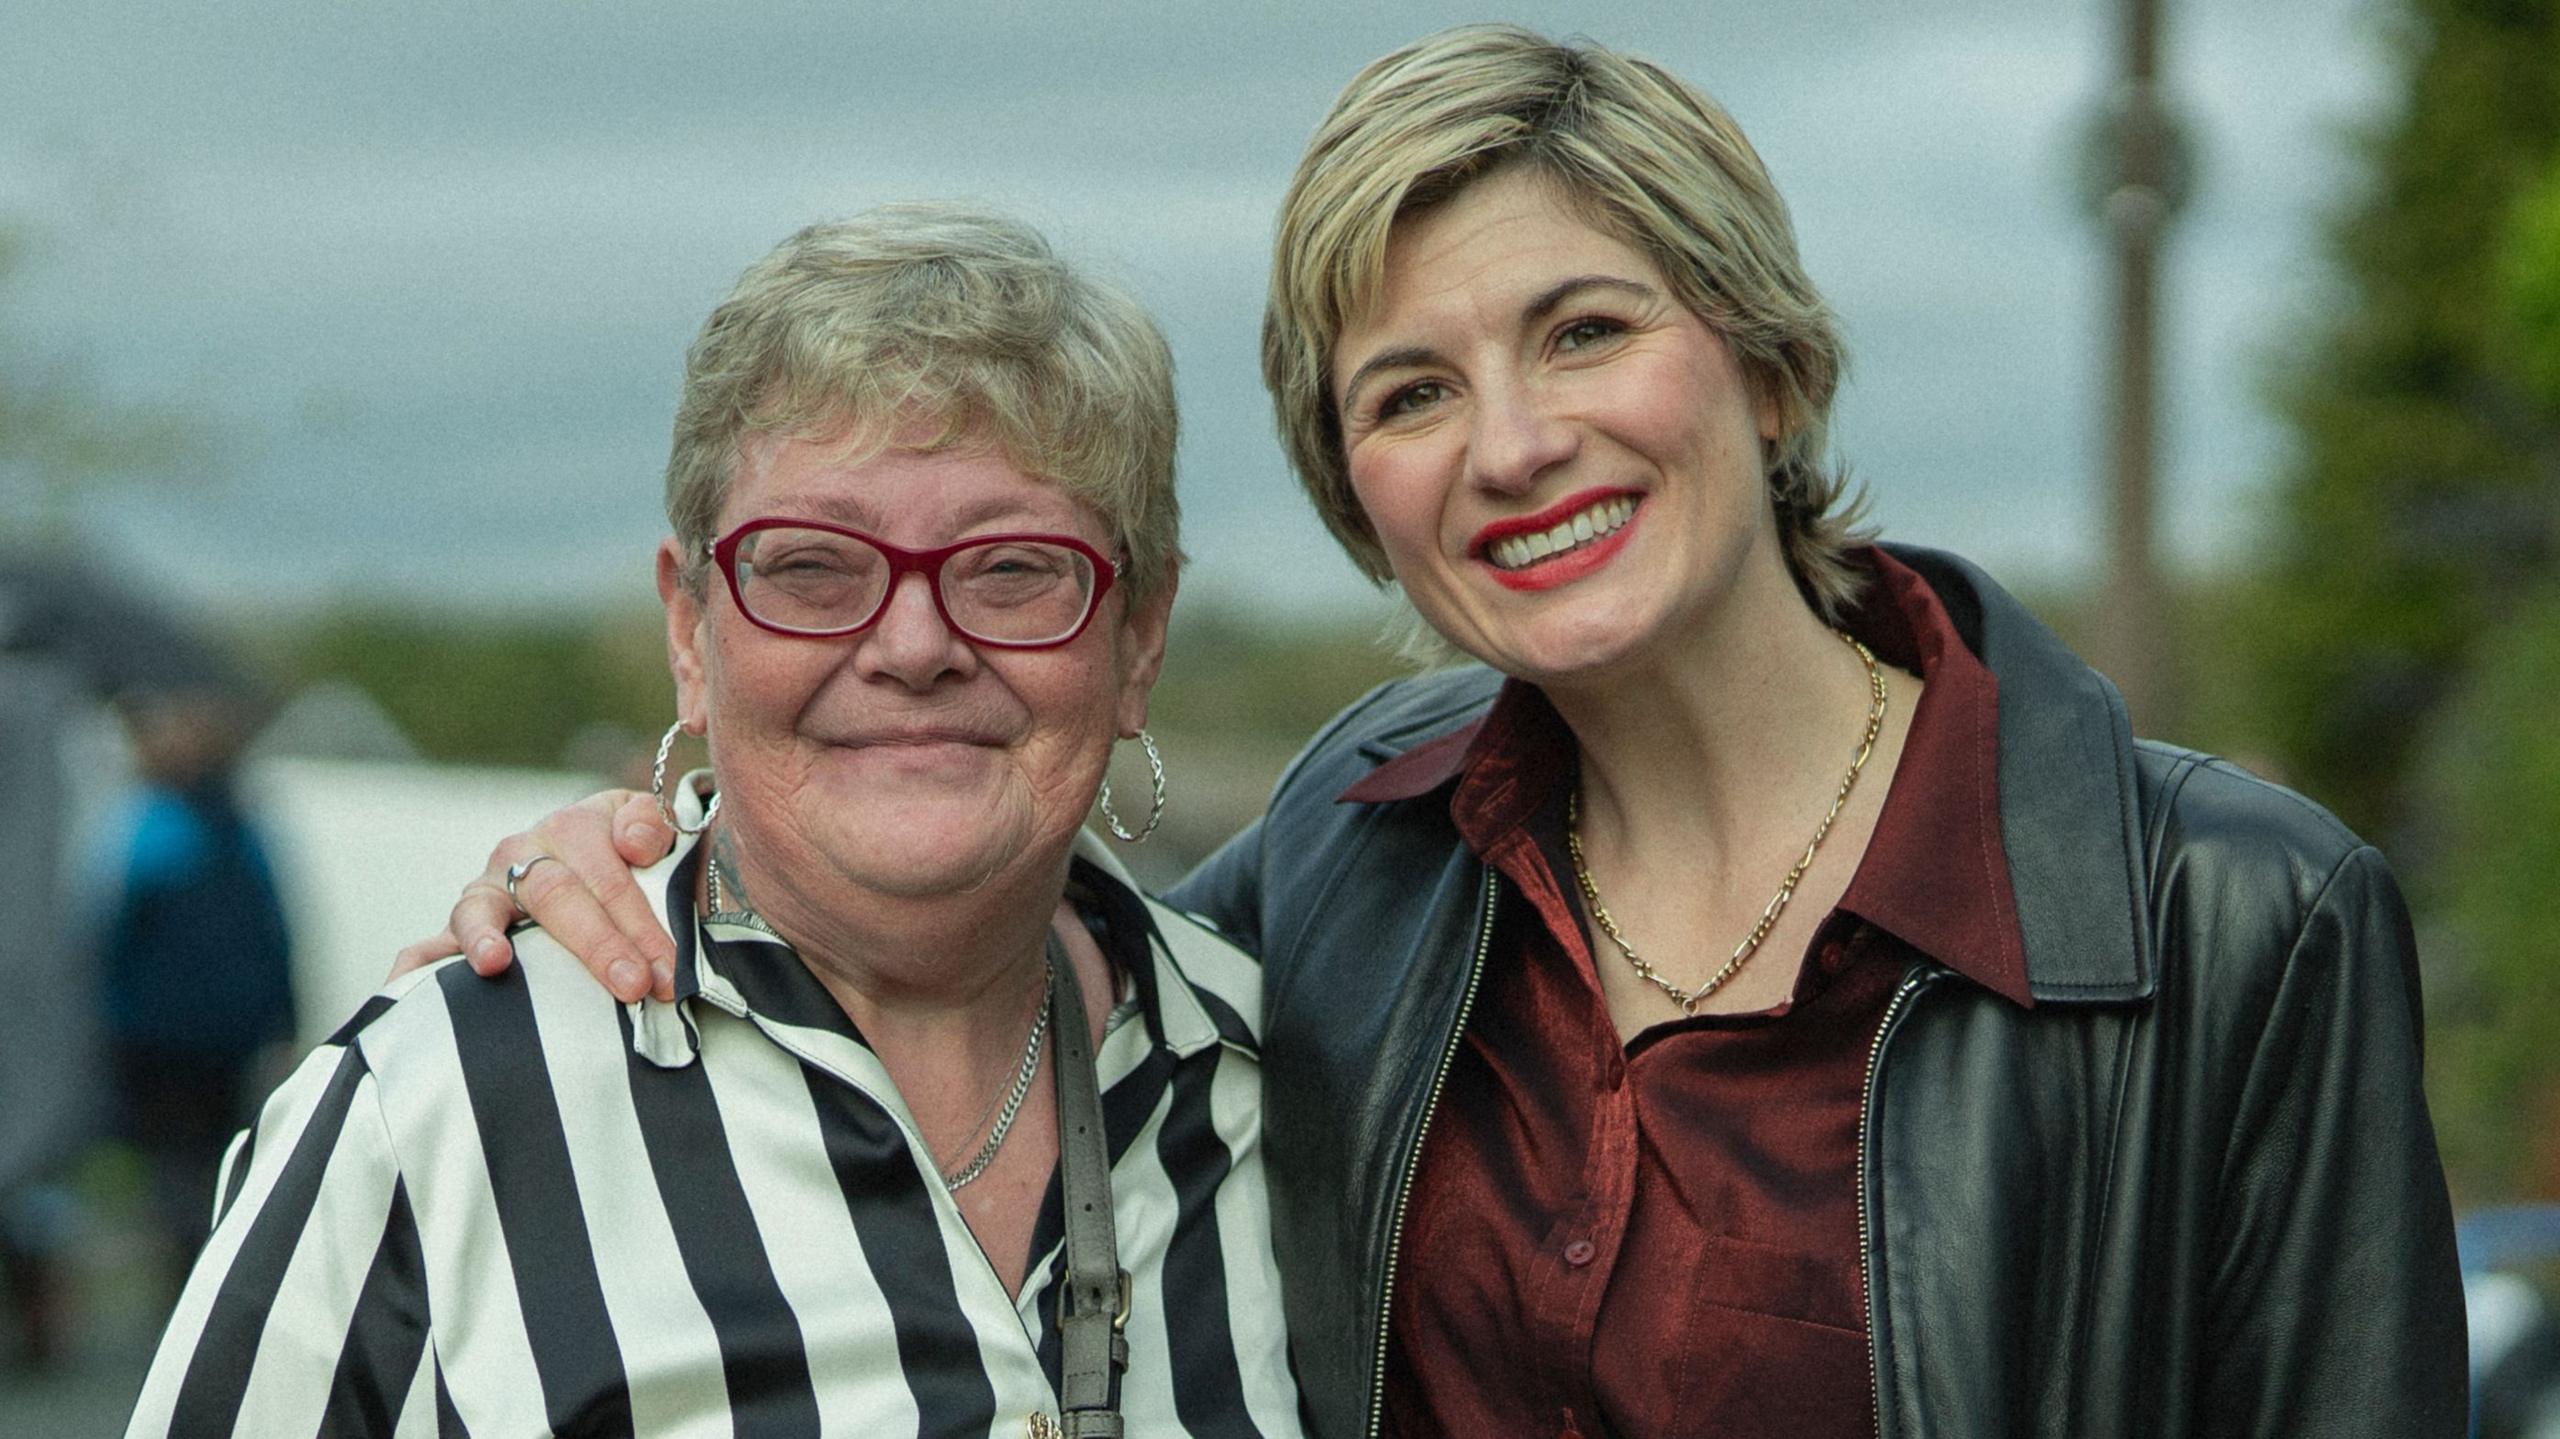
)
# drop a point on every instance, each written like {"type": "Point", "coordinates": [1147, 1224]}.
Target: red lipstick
{"type": "Point", "coordinates": [1546, 519]}
{"type": "Point", "coordinates": [1565, 566]}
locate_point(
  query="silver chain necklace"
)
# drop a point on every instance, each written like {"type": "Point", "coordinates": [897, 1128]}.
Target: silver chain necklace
{"type": "Point", "coordinates": [1031, 1047]}
{"type": "Point", "coordinates": [1001, 1111]}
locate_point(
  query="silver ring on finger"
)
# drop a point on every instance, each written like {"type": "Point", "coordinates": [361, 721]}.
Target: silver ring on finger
{"type": "Point", "coordinates": [516, 872]}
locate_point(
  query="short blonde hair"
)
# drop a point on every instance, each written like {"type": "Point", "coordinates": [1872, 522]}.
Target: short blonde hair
{"type": "Point", "coordinates": [955, 318]}
{"type": "Point", "coordinates": [1660, 167]}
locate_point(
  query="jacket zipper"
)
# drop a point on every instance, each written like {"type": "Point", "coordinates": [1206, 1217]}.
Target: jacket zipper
{"type": "Point", "coordinates": [1413, 1155]}
{"type": "Point", "coordinates": [1910, 986]}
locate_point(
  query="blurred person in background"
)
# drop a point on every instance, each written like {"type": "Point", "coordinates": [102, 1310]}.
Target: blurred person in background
{"type": "Point", "coordinates": [1771, 991]}
{"type": "Point", "coordinates": [942, 1128]}
{"type": "Point", "coordinates": [195, 960]}
{"type": "Point", "coordinates": [49, 1066]}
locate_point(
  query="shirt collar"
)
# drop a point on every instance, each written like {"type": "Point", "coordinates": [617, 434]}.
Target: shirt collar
{"type": "Point", "coordinates": [1935, 875]}
{"type": "Point", "coordinates": [752, 974]}
{"type": "Point", "coordinates": [1152, 953]}
{"type": "Point", "coordinates": [1425, 767]}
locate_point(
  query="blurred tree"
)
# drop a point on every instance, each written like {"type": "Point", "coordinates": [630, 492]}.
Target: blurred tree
{"type": "Point", "coordinates": [2491, 776]}
{"type": "Point", "coordinates": [2493, 768]}
{"type": "Point", "coordinates": [2404, 624]}
{"type": "Point", "coordinates": [2418, 509]}
{"type": "Point", "coordinates": [2529, 276]}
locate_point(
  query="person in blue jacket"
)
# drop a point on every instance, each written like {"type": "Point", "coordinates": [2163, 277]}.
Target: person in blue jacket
{"type": "Point", "coordinates": [195, 957]}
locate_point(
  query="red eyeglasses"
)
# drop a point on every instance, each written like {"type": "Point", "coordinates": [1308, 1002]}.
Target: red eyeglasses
{"type": "Point", "coordinates": [818, 581]}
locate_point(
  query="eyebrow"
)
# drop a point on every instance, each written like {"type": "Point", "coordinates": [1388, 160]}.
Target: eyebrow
{"type": "Point", "coordinates": [1395, 359]}
{"type": "Point", "coordinates": [821, 504]}
{"type": "Point", "coordinates": [1540, 305]}
{"type": "Point", "coordinates": [1550, 298]}
{"type": "Point", "coordinates": [855, 513]}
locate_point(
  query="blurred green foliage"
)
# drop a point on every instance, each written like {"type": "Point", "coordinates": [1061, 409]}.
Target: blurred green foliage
{"type": "Point", "coordinates": [2529, 275]}
{"type": "Point", "coordinates": [2420, 512]}
{"type": "Point", "coordinates": [2397, 650]}
{"type": "Point", "coordinates": [1249, 681]}
{"type": "Point", "coordinates": [480, 692]}
{"type": "Point", "coordinates": [2496, 1027]}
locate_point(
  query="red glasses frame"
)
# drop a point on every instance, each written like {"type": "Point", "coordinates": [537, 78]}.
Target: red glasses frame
{"type": "Point", "coordinates": [903, 562]}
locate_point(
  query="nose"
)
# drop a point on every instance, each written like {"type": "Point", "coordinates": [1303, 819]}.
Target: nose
{"type": "Point", "coordinates": [1515, 437]}
{"type": "Point", "coordinates": [910, 644]}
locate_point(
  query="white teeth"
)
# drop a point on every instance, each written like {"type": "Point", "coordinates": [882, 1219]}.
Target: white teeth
{"type": "Point", "coordinates": [1598, 521]}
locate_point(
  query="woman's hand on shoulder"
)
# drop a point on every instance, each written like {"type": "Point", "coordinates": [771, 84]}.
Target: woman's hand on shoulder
{"type": "Point", "coordinates": [583, 895]}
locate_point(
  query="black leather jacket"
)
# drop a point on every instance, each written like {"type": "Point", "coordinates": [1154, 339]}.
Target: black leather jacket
{"type": "Point", "coordinates": [2193, 1191]}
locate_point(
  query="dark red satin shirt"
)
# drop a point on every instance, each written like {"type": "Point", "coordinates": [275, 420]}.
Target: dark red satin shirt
{"type": "Point", "coordinates": [1662, 1238]}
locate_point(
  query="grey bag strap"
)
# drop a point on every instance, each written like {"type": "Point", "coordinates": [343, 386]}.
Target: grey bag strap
{"type": "Point", "coordinates": [1093, 1296]}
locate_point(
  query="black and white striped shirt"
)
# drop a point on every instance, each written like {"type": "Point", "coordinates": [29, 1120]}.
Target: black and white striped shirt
{"type": "Point", "coordinates": [517, 1207]}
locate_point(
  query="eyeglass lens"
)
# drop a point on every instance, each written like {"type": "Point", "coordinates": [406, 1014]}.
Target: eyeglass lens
{"type": "Point", "coordinates": [1006, 591]}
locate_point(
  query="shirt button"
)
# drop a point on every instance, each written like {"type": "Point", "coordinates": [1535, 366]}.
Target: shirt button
{"type": "Point", "coordinates": [1579, 1253]}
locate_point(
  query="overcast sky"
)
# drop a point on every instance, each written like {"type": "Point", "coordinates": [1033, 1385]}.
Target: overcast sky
{"type": "Point", "coordinates": [428, 272]}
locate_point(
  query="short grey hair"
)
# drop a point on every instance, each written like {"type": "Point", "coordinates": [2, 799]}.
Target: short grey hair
{"type": "Point", "coordinates": [1657, 165]}
{"type": "Point", "coordinates": [952, 317]}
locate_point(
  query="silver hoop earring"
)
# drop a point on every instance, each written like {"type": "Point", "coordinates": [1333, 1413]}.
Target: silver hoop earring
{"type": "Point", "coordinates": [1155, 812]}
{"type": "Point", "coordinates": [658, 786]}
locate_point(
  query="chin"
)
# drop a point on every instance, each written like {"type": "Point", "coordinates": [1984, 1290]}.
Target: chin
{"type": "Point", "coordinates": [1556, 648]}
{"type": "Point", "coordinates": [917, 850]}
{"type": "Point", "coordinates": [916, 877]}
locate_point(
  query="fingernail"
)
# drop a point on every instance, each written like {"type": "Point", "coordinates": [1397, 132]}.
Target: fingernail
{"type": "Point", "coordinates": [483, 950]}
{"type": "Point", "coordinates": [636, 834]}
{"type": "Point", "coordinates": [667, 977]}
{"type": "Point", "coordinates": [626, 978]}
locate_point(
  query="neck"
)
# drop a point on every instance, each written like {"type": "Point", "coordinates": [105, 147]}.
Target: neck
{"type": "Point", "coordinates": [945, 968]}
{"type": "Point", "coordinates": [1688, 748]}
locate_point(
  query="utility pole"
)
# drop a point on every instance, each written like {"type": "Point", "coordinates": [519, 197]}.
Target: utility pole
{"type": "Point", "coordinates": [2137, 174]}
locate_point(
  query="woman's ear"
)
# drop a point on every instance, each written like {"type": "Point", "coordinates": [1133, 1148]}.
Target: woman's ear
{"type": "Point", "coordinates": [1142, 635]}
{"type": "Point", "coordinates": [687, 641]}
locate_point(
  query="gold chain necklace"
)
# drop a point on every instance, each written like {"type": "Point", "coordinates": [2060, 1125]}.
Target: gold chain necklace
{"type": "Point", "coordinates": [1690, 999]}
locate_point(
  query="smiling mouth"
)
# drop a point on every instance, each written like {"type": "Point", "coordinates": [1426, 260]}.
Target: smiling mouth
{"type": "Point", "coordinates": [918, 744]}
{"type": "Point", "coordinates": [1585, 526]}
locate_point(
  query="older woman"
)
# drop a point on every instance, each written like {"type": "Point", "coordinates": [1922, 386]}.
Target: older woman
{"type": "Point", "coordinates": [1771, 992]}
{"type": "Point", "coordinates": [928, 1060]}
